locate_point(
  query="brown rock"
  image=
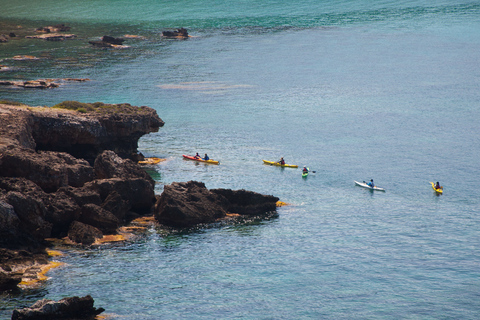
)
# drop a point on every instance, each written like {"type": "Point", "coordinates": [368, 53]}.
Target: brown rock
{"type": "Point", "coordinates": [83, 233]}
{"type": "Point", "coordinates": [62, 210]}
{"type": "Point", "coordinates": [248, 202]}
{"type": "Point", "coordinates": [31, 213]}
{"type": "Point", "coordinates": [115, 204]}
{"type": "Point", "coordinates": [138, 192]}
{"type": "Point", "coordinates": [49, 170]}
{"type": "Point", "coordinates": [99, 218]}
{"type": "Point", "coordinates": [109, 165]}
{"type": "Point", "coordinates": [184, 204]}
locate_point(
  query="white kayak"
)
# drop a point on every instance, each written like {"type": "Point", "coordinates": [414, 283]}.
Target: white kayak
{"type": "Point", "coordinates": [364, 185]}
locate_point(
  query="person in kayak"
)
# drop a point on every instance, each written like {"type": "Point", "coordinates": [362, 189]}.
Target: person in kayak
{"type": "Point", "coordinates": [371, 184]}
{"type": "Point", "coordinates": [438, 186]}
{"type": "Point", "coordinates": [305, 169]}
{"type": "Point", "coordinates": [282, 162]}
{"type": "Point", "coordinates": [197, 156]}
{"type": "Point", "coordinates": [206, 157]}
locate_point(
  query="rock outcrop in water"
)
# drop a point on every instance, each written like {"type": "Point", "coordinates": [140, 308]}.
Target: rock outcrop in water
{"type": "Point", "coordinates": [69, 173]}
{"type": "Point", "coordinates": [179, 33]}
{"type": "Point", "coordinates": [67, 308]}
{"type": "Point", "coordinates": [185, 204]}
{"type": "Point", "coordinates": [108, 42]}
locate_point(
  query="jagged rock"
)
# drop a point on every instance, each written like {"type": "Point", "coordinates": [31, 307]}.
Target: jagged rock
{"type": "Point", "coordinates": [9, 224]}
{"type": "Point", "coordinates": [184, 204]}
{"type": "Point", "coordinates": [115, 204]}
{"type": "Point", "coordinates": [138, 192]}
{"type": "Point", "coordinates": [83, 233]}
{"type": "Point", "coordinates": [109, 165]}
{"type": "Point", "coordinates": [31, 213]}
{"type": "Point", "coordinates": [66, 308]}
{"type": "Point", "coordinates": [62, 210]}
{"type": "Point", "coordinates": [247, 202]}
{"type": "Point", "coordinates": [99, 218]}
{"type": "Point", "coordinates": [3, 38]}
{"type": "Point", "coordinates": [82, 196]}
{"type": "Point", "coordinates": [49, 170]}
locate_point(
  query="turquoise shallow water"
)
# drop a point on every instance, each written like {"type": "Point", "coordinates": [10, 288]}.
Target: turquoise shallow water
{"type": "Point", "coordinates": [353, 89]}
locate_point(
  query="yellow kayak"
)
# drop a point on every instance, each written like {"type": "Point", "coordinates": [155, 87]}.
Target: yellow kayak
{"type": "Point", "coordinates": [437, 190]}
{"type": "Point", "coordinates": [151, 160]}
{"type": "Point", "coordinates": [274, 163]}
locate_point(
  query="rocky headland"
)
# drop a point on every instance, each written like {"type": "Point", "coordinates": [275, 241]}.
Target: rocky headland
{"type": "Point", "coordinates": [71, 172]}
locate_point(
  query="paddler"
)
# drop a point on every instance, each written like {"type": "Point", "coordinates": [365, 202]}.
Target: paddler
{"type": "Point", "coordinates": [371, 184]}
{"type": "Point", "coordinates": [206, 157]}
{"type": "Point", "coordinates": [197, 156]}
{"type": "Point", "coordinates": [305, 169]}
{"type": "Point", "coordinates": [282, 162]}
{"type": "Point", "coordinates": [438, 186]}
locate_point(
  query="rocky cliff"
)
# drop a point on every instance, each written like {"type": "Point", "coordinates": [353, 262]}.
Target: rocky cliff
{"type": "Point", "coordinates": [69, 171]}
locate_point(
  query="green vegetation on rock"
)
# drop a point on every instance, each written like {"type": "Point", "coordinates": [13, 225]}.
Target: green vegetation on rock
{"type": "Point", "coordinates": [99, 107]}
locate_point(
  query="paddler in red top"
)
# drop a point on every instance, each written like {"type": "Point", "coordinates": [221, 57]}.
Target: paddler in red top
{"type": "Point", "coordinates": [282, 162]}
{"type": "Point", "coordinates": [197, 156]}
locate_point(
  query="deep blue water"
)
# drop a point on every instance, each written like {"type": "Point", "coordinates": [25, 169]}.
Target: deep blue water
{"type": "Point", "coordinates": [353, 89]}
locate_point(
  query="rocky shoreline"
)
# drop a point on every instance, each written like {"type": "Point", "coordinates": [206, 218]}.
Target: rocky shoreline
{"type": "Point", "coordinates": [70, 172]}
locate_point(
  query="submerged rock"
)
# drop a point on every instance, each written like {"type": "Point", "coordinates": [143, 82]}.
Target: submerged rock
{"type": "Point", "coordinates": [54, 28]}
{"type": "Point", "coordinates": [53, 36]}
{"type": "Point", "coordinates": [66, 308]}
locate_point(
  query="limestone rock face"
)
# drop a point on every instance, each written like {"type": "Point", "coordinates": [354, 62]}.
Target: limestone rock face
{"type": "Point", "coordinates": [86, 135]}
{"type": "Point", "coordinates": [59, 166]}
{"type": "Point", "coordinates": [49, 170]}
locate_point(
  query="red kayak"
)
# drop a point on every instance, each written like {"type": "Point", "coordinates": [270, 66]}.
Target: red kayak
{"type": "Point", "coordinates": [200, 159]}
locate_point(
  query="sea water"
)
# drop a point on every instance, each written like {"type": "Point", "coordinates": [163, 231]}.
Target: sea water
{"type": "Point", "coordinates": [354, 90]}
